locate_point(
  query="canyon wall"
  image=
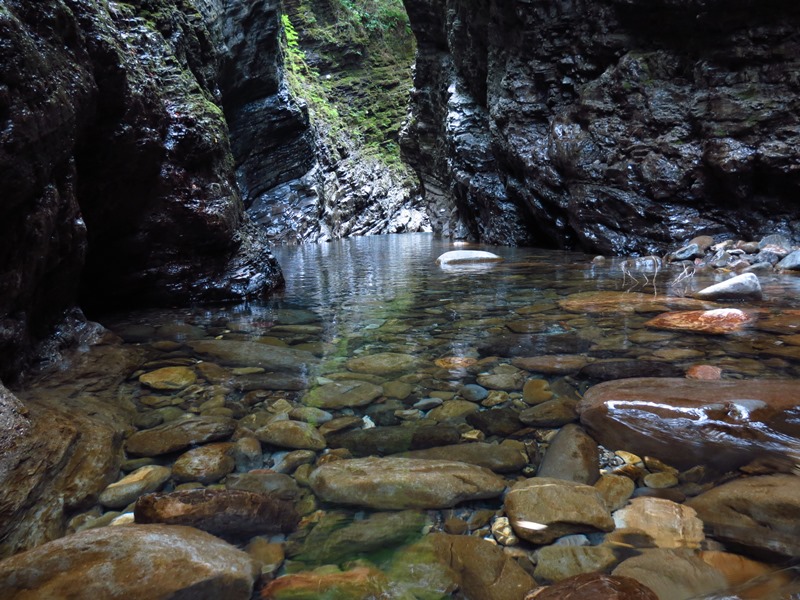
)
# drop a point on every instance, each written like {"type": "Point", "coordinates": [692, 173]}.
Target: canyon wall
{"type": "Point", "coordinates": [612, 126]}
{"type": "Point", "coordinates": [116, 170]}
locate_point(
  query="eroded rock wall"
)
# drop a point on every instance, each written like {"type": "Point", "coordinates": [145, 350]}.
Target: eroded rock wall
{"type": "Point", "coordinates": [116, 172]}
{"type": "Point", "coordinates": [613, 126]}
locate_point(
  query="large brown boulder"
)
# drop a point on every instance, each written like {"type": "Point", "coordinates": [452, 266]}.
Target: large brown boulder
{"type": "Point", "coordinates": [686, 422]}
{"type": "Point", "coordinates": [147, 562]}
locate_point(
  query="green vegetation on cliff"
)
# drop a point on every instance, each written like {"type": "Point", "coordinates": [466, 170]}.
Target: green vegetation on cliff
{"type": "Point", "coordinates": [351, 61]}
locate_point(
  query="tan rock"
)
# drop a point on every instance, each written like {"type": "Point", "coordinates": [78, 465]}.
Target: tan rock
{"type": "Point", "coordinates": [169, 378]}
{"type": "Point", "coordinates": [291, 434]}
{"type": "Point", "coordinates": [668, 524]}
{"type": "Point", "coordinates": [342, 394]}
{"type": "Point", "coordinates": [536, 391]}
{"type": "Point", "coordinates": [596, 586]}
{"type": "Point", "coordinates": [615, 490]}
{"type": "Point", "coordinates": [382, 363]}
{"type": "Point", "coordinates": [400, 483]}
{"type": "Point", "coordinates": [556, 562]}
{"type": "Point", "coordinates": [500, 458]}
{"type": "Point", "coordinates": [179, 435]}
{"type": "Point", "coordinates": [141, 481]}
{"type": "Point", "coordinates": [673, 574]}
{"type": "Point", "coordinates": [543, 509]}
{"type": "Point", "coordinates": [206, 464]}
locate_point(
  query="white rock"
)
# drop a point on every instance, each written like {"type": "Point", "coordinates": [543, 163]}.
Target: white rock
{"type": "Point", "coordinates": [456, 257]}
{"type": "Point", "coordinates": [741, 287]}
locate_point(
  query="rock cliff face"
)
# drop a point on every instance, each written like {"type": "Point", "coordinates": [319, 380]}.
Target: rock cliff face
{"type": "Point", "coordinates": [115, 166]}
{"type": "Point", "coordinates": [613, 126]}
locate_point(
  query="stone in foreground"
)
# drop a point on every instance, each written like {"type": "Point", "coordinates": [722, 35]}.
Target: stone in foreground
{"type": "Point", "coordinates": [179, 435]}
{"type": "Point", "coordinates": [684, 422]}
{"type": "Point", "coordinates": [156, 562]}
{"type": "Point", "coordinates": [400, 483]}
{"type": "Point", "coordinates": [597, 586]}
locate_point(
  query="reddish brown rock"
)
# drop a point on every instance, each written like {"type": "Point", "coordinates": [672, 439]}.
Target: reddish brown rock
{"type": "Point", "coordinates": [606, 302]}
{"type": "Point", "coordinates": [716, 322]}
{"type": "Point", "coordinates": [596, 586]}
{"type": "Point", "coordinates": [221, 512]}
{"type": "Point", "coordinates": [724, 424]}
{"type": "Point", "coordinates": [358, 583]}
{"type": "Point", "coordinates": [704, 372]}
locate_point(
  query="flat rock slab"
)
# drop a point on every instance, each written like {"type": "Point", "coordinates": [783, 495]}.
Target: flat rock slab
{"type": "Point", "coordinates": [382, 363]}
{"type": "Point", "coordinates": [342, 394]}
{"type": "Point", "coordinates": [606, 302]}
{"type": "Point", "coordinates": [499, 458]}
{"type": "Point", "coordinates": [157, 562]}
{"type": "Point", "coordinates": [686, 422]}
{"type": "Point", "coordinates": [179, 435]}
{"type": "Point", "coordinates": [393, 439]}
{"type": "Point", "coordinates": [144, 480]}
{"type": "Point", "coordinates": [221, 512]}
{"type": "Point", "coordinates": [758, 512]}
{"type": "Point", "coordinates": [400, 483]}
{"type": "Point", "coordinates": [252, 354]}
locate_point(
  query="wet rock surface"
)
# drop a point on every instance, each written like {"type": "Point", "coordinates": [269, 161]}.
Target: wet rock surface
{"type": "Point", "coordinates": [143, 561]}
{"type": "Point", "coordinates": [687, 422]}
{"type": "Point", "coordinates": [615, 128]}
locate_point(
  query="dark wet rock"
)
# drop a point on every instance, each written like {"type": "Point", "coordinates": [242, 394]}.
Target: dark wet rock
{"type": "Point", "coordinates": [571, 455]}
{"type": "Point", "coordinates": [741, 287]}
{"type": "Point", "coordinates": [497, 421]}
{"type": "Point", "coordinates": [401, 483]}
{"type": "Point", "coordinates": [473, 392]}
{"type": "Point", "coordinates": [605, 127]}
{"type": "Point", "coordinates": [124, 186]}
{"type": "Point", "coordinates": [393, 439]}
{"type": "Point", "coordinates": [252, 354]}
{"type": "Point", "coordinates": [229, 513]}
{"type": "Point", "coordinates": [554, 364]}
{"type": "Point", "coordinates": [605, 370]}
{"type": "Point", "coordinates": [553, 413]}
{"type": "Point", "coordinates": [337, 539]}
{"type": "Point", "coordinates": [500, 458]}
{"type": "Point", "coordinates": [685, 422]}
{"type": "Point", "coordinates": [597, 586]}
{"type": "Point", "coordinates": [134, 561]}
{"type": "Point", "coordinates": [761, 514]}
{"type": "Point", "coordinates": [179, 435]}
{"type": "Point", "coordinates": [542, 509]}
{"type": "Point", "coordinates": [499, 576]}
{"type": "Point", "coordinates": [512, 345]}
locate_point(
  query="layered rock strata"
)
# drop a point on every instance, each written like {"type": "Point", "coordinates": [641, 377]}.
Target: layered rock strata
{"type": "Point", "coordinates": [615, 126]}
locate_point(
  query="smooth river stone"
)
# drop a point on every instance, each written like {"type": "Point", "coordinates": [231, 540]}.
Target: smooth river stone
{"type": "Point", "coordinates": [460, 257]}
{"type": "Point", "coordinates": [724, 424]}
{"type": "Point", "coordinates": [741, 287]}
{"type": "Point", "coordinates": [394, 439]}
{"type": "Point", "coordinates": [206, 464]}
{"type": "Point", "coordinates": [179, 435]}
{"type": "Point", "coordinates": [762, 513]}
{"type": "Point", "coordinates": [500, 458]}
{"type": "Point", "coordinates": [558, 562]}
{"type": "Point", "coordinates": [252, 354]}
{"type": "Point", "coordinates": [291, 434]}
{"type": "Point", "coordinates": [571, 455]}
{"type": "Point", "coordinates": [342, 394]}
{"type": "Point", "coordinates": [552, 364]}
{"type": "Point", "coordinates": [169, 378]}
{"type": "Point", "coordinates": [666, 523]}
{"type": "Point", "coordinates": [673, 574]}
{"type": "Point", "coordinates": [142, 481]}
{"type": "Point", "coordinates": [719, 321]}
{"type": "Point", "coordinates": [221, 512]}
{"type": "Point", "coordinates": [134, 561]}
{"type": "Point", "coordinates": [542, 509]}
{"type": "Point", "coordinates": [383, 363]}
{"type": "Point", "coordinates": [401, 483]}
